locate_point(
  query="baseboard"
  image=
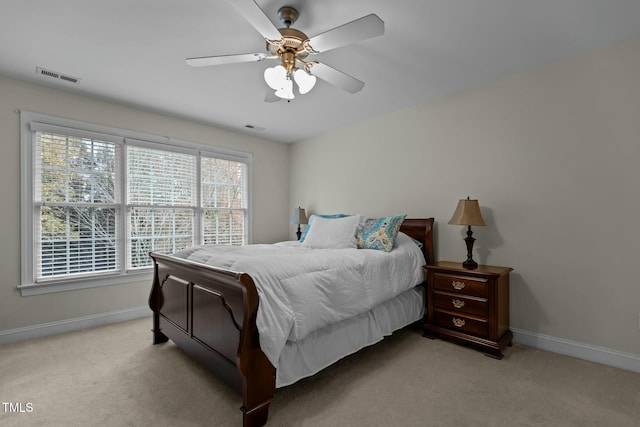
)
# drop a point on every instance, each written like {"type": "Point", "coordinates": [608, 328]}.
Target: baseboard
{"type": "Point", "coordinates": [603, 355]}
{"type": "Point", "coordinates": [68, 325]}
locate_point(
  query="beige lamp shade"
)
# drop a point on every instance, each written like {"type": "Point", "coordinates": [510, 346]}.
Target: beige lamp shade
{"type": "Point", "coordinates": [467, 213]}
{"type": "Point", "coordinates": [299, 216]}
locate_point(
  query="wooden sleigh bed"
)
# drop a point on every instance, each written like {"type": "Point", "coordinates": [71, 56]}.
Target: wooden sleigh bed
{"type": "Point", "coordinates": [210, 313]}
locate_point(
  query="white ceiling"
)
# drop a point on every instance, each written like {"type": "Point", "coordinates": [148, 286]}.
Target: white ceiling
{"type": "Point", "coordinates": [133, 52]}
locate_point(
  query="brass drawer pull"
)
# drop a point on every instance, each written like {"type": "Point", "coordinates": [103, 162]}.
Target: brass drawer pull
{"type": "Point", "coordinates": [457, 285]}
{"type": "Point", "coordinates": [458, 322]}
{"type": "Point", "coordinates": [457, 303]}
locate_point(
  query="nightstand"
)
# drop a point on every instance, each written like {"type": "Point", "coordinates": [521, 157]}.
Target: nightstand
{"type": "Point", "coordinates": [469, 306]}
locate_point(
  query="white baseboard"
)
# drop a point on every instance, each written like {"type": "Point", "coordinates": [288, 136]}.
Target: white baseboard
{"type": "Point", "coordinates": [603, 355]}
{"type": "Point", "coordinates": [53, 328]}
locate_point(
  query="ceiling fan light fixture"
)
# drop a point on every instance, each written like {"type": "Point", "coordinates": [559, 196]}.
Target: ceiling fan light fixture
{"type": "Point", "coordinates": [279, 80]}
{"type": "Point", "coordinates": [305, 81]}
{"type": "Point", "coordinates": [286, 90]}
{"type": "Point", "coordinates": [275, 77]}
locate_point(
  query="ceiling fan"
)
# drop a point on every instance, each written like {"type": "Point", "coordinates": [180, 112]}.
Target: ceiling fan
{"type": "Point", "coordinates": [292, 47]}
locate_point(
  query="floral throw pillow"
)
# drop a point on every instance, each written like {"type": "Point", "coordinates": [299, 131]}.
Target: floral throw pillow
{"type": "Point", "coordinates": [379, 233]}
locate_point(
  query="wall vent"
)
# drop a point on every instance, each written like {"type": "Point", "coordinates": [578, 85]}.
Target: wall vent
{"type": "Point", "coordinates": [55, 75]}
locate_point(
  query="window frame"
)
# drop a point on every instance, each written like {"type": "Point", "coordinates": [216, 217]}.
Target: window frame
{"type": "Point", "coordinates": [28, 285]}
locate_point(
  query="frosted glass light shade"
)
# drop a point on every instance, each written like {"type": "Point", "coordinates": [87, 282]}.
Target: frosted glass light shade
{"type": "Point", "coordinates": [305, 81]}
{"type": "Point", "coordinates": [275, 77]}
{"type": "Point", "coordinates": [286, 91]}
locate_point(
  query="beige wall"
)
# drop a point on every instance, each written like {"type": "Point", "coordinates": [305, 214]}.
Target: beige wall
{"type": "Point", "coordinates": [270, 201]}
{"type": "Point", "coordinates": [552, 155]}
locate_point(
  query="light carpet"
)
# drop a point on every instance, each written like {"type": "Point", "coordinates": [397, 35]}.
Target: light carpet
{"type": "Point", "coordinates": [113, 376]}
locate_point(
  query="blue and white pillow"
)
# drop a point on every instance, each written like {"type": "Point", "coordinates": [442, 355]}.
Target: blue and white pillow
{"type": "Point", "coordinates": [306, 230]}
{"type": "Point", "coordinates": [333, 233]}
{"type": "Point", "coordinates": [379, 233]}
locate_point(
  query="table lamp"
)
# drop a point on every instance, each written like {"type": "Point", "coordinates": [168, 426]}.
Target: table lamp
{"type": "Point", "coordinates": [468, 213]}
{"type": "Point", "coordinates": [299, 217]}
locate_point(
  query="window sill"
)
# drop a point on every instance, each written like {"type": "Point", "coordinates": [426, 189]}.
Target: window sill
{"type": "Point", "coordinates": [84, 283]}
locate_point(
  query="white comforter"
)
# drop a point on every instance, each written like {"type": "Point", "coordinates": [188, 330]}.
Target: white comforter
{"type": "Point", "coordinates": [303, 289]}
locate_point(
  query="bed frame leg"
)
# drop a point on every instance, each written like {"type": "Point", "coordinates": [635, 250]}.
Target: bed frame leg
{"type": "Point", "coordinates": [257, 416]}
{"type": "Point", "coordinates": [158, 336]}
{"type": "Point", "coordinates": [258, 391]}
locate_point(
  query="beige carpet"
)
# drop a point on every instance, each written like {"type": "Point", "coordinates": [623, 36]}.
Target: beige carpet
{"type": "Point", "coordinates": [113, 376]}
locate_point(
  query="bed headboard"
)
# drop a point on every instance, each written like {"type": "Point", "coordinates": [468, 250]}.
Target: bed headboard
{"type": "Point", "coordinates": [422, 230]}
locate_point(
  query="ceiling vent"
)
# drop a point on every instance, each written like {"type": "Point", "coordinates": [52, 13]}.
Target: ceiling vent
{"type": "Point", "coordinates": [55, 75]}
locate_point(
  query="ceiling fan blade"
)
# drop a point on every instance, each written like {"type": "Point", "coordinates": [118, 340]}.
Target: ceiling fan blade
{"type": "Point", "coordinates": [270, 96]}
{"type": "Point", "coordinates": [337, 78]}
{"type": "Point", "coordinates": [206, 61]}
{"type": "Point", "coordinates": [250, 10]}
{"type": "Point", "coordinates": [351, 32]}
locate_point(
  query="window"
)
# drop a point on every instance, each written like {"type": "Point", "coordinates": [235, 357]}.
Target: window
{"type": "Point", "coordinates": [75, 204]}
{"type": "Point", "coordinates": [161, 201]}
{"type": "Point", "coordinates": [223, 196]}
{"type": "Point", "coordinates": [100, 199]}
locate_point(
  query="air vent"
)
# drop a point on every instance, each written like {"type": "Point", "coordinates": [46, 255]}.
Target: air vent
{"type": "Point", "coordinates": [56, 75]}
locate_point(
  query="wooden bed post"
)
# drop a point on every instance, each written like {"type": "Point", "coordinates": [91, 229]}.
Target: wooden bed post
{"type": "Point", "coordinates": [155, 304]}
{"type": "Point", "coordinates": [258, 374]}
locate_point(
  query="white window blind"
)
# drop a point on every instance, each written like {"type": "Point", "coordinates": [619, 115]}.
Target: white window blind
{"type": "Point", "coordinates": [162, 202]}
{"type": "Point", "coordinates": [224, 201]}
{"type": "Point", "coordinates": [76, 205]}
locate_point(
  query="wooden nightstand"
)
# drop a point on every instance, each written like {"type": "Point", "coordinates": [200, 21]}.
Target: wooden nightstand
{"type": "Point", "coordinates": [469, 306]}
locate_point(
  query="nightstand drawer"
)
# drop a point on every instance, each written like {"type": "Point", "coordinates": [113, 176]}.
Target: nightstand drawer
{"type": "Point", "coordinates": [461, 303]}
{"type": "Point", "coordinates": [461, 323]}
{"type": "Point", "coordinates": [460, 284]}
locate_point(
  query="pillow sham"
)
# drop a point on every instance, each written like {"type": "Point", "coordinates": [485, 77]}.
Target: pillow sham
{"type": "Point", "coordinates": [379, 233]}
{"type": "Point", "coordinates": [333, 233]}
{"type": "Point", "coordinates": [312, 217]}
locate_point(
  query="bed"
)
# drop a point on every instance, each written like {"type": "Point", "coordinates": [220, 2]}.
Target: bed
{"type": "Point", "coordinates": [212, 313]}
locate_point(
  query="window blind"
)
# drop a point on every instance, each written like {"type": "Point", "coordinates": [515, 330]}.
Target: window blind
{"type": "Point", "coordinates": [224, 201]}
{"type": "Point", "coordinates": [76, 205]}
{"type": "Point", "coordinates": [161, 201]}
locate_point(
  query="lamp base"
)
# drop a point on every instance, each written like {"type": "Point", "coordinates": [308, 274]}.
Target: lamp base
{"type": "Point", "coordinates": [470, 264]}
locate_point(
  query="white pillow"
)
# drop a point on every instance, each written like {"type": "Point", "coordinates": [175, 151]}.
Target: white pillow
{"type": "Point", "coordinates": [333, 233]}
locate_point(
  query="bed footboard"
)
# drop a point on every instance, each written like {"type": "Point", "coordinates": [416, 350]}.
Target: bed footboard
{"type": "Point", "coordinates": [211, 314]}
